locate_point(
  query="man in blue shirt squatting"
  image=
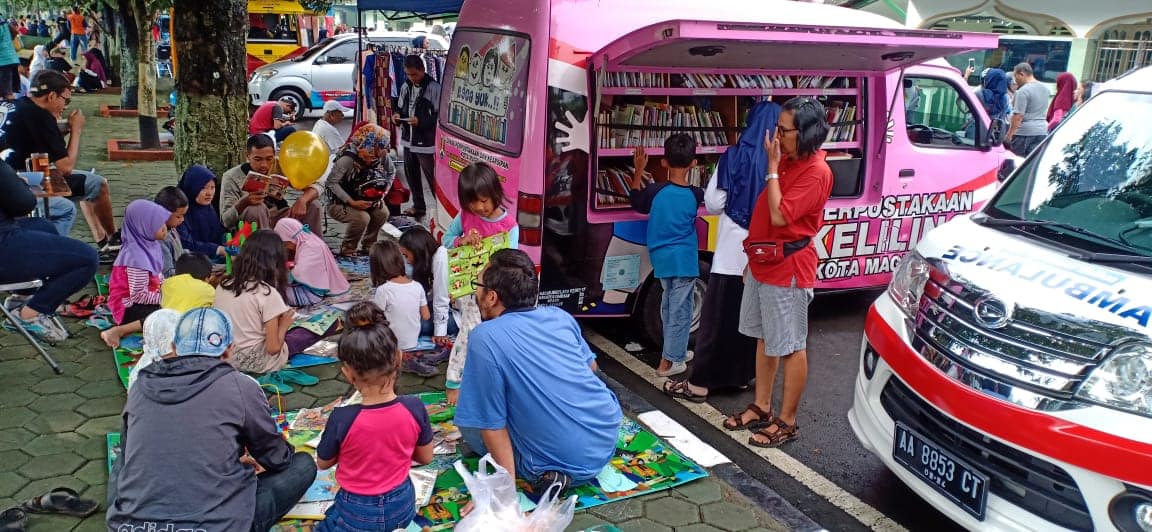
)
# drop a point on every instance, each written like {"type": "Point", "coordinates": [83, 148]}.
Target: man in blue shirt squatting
{"type": "Point", "coordinates": [530, 395]}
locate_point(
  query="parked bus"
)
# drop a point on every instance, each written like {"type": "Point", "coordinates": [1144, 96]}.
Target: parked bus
{"type": "Point", "coordinates": [555, 93]}
{"type": "Point", "coordinates": [275, 31]}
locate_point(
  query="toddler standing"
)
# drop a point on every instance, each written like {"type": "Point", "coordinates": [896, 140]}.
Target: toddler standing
{"type": "Point", "coordinates": [374, 442]}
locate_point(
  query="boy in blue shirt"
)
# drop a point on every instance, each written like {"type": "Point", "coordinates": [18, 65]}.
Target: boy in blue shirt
{"type": "Point", "coordinates": [671, 207]}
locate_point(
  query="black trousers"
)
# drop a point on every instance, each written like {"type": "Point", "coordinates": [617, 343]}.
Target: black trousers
{"type": "Point", "coordinates": [725, 359]}
{"type": "Point", "coordinates": [415, 165]}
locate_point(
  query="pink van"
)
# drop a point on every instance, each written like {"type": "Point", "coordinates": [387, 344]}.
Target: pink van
{"type": "Point", "coordinates": [555, 94]}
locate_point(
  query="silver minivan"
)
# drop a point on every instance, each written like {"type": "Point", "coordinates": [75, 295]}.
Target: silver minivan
{"type": "Point", "coordinates": [323, 72]}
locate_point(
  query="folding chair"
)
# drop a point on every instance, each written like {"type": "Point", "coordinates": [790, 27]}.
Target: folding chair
{"type": "Point", "coordinates": [20, 287]}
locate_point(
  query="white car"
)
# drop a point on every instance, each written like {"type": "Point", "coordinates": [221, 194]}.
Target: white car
{"type": "Point", "coordinates": [323, 72]}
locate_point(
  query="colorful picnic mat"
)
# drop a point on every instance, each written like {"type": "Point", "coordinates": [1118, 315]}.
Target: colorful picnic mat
{"type": "Point", "coordinates": [643, 464]}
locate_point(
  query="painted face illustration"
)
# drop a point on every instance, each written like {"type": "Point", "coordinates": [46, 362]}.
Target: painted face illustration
{"type": "Point", "coordinates": [474, 71]}
{"type": "Point", "coordinates": [462, 63]}
{"type": "Point", "coordinates": [489, 73]}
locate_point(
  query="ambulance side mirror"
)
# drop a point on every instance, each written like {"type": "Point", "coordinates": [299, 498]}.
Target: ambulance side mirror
{"type": "Point", "coordinates": [996, 130]}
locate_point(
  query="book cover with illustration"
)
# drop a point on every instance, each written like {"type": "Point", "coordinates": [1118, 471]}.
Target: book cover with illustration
{"type": "Point", "coordinates": [465, 263]}
{"type": "Point", "coordinates": [270, 185]}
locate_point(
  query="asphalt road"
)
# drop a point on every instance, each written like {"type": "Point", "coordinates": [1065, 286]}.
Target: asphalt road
{"type": "Point", "coordinates": [827, 444]}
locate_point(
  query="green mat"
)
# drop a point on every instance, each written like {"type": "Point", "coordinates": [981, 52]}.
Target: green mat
{"type": "Point", "coordinates": [127, 355]}
{"type": "Point", "coordinates": [643, 464]}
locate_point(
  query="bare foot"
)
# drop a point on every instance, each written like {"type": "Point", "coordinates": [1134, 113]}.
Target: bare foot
{"type": "Point", "coordinates": [111, 337]}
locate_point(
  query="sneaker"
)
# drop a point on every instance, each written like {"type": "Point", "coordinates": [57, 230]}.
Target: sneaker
{"type": "Point", "coordinates": [42, 327]}
{"type": "Point", "coordinates": [274, 382]}
{"type": "Point", "coordinates": [418, 367]}
{"type": "Point", "coordinates": [548, 479]}
{"type": "Point", "coordinates": [675, 369]}
{"type": "Point", "coordinates": [293, 376]}
{"type": "Point", "coordinates": [437, 356]}
{"type": "Point", "coordinates": [113, 243]}
{"type": "Point", "coordinates": [15, 301]}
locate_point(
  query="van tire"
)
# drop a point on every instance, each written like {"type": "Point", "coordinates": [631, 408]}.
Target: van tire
{"type": "Point", "coordinates": [649, 306]}
{"type": "Point", "coordinates": [301, 101]}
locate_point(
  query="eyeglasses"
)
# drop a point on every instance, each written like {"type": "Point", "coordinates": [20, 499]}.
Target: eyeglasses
{"type": "Point", "coordinates": [67, 99]}
{"type": "Point", "coordinates": [780, 130]}
{"type": "Point", "coordinates": [477, 284]}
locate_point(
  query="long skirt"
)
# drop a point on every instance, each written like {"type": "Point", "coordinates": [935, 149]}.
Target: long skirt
{"type": "Point", "coordinates": [724, 357]}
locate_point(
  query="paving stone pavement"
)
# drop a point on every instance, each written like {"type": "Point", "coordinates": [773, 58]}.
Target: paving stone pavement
{"type": "Point", "coordinates": [52, 428]}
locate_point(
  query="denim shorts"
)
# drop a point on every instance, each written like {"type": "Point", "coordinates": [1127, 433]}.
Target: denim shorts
{"type": "Point", "coordinates": [85, 185]}
{"type": "Point", "coordinates": [371, 513]}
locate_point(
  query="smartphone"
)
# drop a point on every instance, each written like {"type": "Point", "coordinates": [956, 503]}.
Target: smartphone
{"type": "Point", "coordinates": [971, 62]}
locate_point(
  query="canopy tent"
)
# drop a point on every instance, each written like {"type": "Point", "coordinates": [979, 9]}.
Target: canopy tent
{"type": "Point", "coordinates": [420, 7]}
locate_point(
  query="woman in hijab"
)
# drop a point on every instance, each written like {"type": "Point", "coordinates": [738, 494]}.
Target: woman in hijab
{"type": "Point", "coordinates": [314, 273]}
{"type": "Point", "coordinates": [1065, 98]}
{"type": "Point", "coordinates": [201, 231]}
{"type": "Point", "coordinates": [360, 178]}
{"type": "Point", "coordinates": [92, 77]}
{"type": "Point", "coordinates": [39, 60]}
{"type": "Point", "coordinates": [993, 93]}
{"type": "Point", "coordinates": [159, 331]}
{"type": "Point", "coordinates": [134, 286]}
{"type": "Point", "coordinates": [725, 359]}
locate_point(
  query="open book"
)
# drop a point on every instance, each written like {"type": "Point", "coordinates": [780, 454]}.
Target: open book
{"type": "Point", "coordinates": [270, 185]}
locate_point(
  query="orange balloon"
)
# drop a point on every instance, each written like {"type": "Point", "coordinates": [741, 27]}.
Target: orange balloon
{"type": "Point", "coordinates": [303, 158]}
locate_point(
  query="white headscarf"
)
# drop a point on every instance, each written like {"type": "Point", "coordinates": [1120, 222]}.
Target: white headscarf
{"type": "Point", "coordinates": [159, 332]}
{"type": "Point", "coordinates": [39, 60]}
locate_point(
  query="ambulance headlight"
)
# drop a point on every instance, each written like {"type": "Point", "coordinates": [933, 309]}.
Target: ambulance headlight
{"type": "Point", "coordinates": [1123, 381]}
{"type": "Point", "coordinates": [908, 282]}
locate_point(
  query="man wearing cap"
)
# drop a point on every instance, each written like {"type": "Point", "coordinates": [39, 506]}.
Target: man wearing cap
{"type": "Point", "coordinates": [326, 126]}
{"type": "Point", "coordinates": [276, 117]}
{"type": "Point", "coordinates": [189, 420]}
{"type": "Point", "coordinates": [32, 128]}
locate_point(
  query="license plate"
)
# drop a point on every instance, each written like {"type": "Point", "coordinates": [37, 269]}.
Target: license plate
{"type": "Point", "coordinates": [953, 478]}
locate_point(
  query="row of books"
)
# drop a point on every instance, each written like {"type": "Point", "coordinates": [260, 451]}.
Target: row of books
{"type": "Point", "coordinates": [723, 81]}
{"type": "Point", "coordinates": [614, 182]}
{"type": "Point", "coordinates": [662, 120]}
{"type": "Point", "coordinates": [842, 132]}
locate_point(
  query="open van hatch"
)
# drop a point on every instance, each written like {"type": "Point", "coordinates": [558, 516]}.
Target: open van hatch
{"type": "Point", "coordinates": [684, 44]}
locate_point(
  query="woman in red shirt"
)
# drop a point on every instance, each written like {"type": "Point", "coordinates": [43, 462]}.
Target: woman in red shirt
{"type": "Point", "coordinates": [782, 267]}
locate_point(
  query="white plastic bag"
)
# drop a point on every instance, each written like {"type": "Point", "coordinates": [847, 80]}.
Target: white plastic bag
{"type": "Point", "coordinates": [496, 506]}
{"type": "Point", "coordinates": [551, 513]}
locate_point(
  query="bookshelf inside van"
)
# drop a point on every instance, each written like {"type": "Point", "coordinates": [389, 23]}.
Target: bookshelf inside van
{"type": "Point", "coordinates": [642, 108]}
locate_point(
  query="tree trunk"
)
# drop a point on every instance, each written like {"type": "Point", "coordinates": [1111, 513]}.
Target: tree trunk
{"type": "Point", "coordinates": [129, 55]}
{"type": "Point", "coordinates": [111, 44]}
{"type": "Point", "coordinates": [211, 90]}
{"type": "Point", "coordinates": [146, 72]}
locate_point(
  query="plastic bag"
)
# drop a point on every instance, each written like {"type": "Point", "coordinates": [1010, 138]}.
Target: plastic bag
{"type": "Point", "coordinates": [496, 506]}
{"type": "Point", "coordinates": [551, 513]}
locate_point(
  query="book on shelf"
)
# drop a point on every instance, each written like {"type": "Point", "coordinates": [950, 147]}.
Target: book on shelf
{"type": "Point", "coordinates": [648, 125]}
{"type": "Point", "coordinates": [723, 81]}
{"type": "Point", "coordinates": [699, 175]}
{"type": "Point", "coordinates": [614, 183]}
{"type": "Point", "coordinates": [842, 119]}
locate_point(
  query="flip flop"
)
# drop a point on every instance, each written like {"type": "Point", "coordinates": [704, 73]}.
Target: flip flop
{"type": "Point", "coordinates": [100, 322]}
{"type": "Point", "coordinates": [64, 501]}
{"type": "Point", "coordinates": [13, 520]}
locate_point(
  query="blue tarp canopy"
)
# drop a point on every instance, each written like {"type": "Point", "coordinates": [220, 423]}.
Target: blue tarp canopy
{"type": "Point", "coordinates": [423, 7]}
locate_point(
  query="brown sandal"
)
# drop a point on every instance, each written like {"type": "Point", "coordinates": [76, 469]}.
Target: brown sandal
{"type": "Point", "coordinates": [762, 419]}
{"type": "Point", "coordinates": [784, 433]}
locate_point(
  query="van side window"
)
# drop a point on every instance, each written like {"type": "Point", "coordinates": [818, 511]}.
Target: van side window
{"type": "Point", "coordinates": [939, 115]}
{"type": "Point", "coordinates": [485, 88]}
{"type": "Point", "coordinates": [341, 54]}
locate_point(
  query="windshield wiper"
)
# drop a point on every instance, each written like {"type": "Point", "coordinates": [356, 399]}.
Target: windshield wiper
{"type": "Point", "coordinates": [984, 219]}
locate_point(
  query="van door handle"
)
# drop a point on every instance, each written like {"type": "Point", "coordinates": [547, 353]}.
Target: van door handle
{"type": "Point", "coordinates": [907, 172]}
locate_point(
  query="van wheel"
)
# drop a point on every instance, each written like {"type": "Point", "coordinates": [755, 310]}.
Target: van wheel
{"type": "Point", "coordinates": [649, 317]}
{"type": "Point", "coordinates": [295, 95]}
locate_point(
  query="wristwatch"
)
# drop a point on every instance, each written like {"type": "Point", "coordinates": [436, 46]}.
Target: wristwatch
{"type": "Point", "coordinates": [772, 176]}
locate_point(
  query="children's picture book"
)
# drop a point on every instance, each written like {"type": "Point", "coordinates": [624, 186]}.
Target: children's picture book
{"type": "Point", "coordinates": [319, 322]}
{"type": "Point", "coordinates": [309, 510]}
{"type": "Point", "coordinates": [310, 419]}
{"type": "Point", "coordinates": [323, 348]}
{"type": "Point", "coordinates": [270, 185]}
{"type": "Point", "coordinates": [465, 263]}
{"type": "Point", "coordinates": [324, 488]}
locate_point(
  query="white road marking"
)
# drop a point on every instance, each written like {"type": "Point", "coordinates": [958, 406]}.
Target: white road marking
{"type": "Point", "coordinates": [683, 440]}
{"type": "Point", "coordinates": [850, 504]}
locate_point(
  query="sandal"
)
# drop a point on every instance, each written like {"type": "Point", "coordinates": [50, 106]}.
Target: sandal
{"type": "Point", "coordinates": [681, 390]}
{"type": "Point", "coordinates": [784, 433]}
{"type": "Point", "coordinates": [62, 501]}
{"type": "Point", "coordinates": [762, 419]}
{"type": "Point", "coordinates": [13, 520]}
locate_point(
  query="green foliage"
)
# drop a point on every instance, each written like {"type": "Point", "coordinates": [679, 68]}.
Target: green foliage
{"type": "Point", "coordinates": [317, 6]}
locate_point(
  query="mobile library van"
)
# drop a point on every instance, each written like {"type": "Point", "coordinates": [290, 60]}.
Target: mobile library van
{"type": "Point", "coordinates": [555, 95]}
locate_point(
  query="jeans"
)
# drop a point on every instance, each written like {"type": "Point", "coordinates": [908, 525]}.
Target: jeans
{"type": "Point", "coordinates": [61, 214]}
{"type": "Point", "coordinates": [88, 188]}
{"type": "Point", "coordinates": [415, 165]}
{"type": "Point", "coordinates": [1022, 146]}
{"type": "Point", "coordinates": [277, 492]}
{"type": "Point", "coordinates": [65, 265]}
{"type": "Point", "coordinates": [427, 328]}
{"type": "Point", "coordinates": [79, 42]}
{"type": "Point", "coordinates": [369, 513]}
{"type": "Point", "coordinates": [676, 315]}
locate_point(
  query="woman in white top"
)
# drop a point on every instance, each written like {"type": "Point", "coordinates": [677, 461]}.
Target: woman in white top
{"type": "Point", "coordinates": [725, 359]}
{"type": "Point", "coordinates": [427, 263]}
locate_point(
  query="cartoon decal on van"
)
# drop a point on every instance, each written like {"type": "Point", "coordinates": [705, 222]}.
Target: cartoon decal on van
{"type": "Point", "coordinates": [481, 106]}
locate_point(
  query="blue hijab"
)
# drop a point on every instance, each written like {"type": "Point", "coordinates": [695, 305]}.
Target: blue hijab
{"type": "Point", "coordinates": [743, 167]}
{"type": "Point", "coordinates": [201, 231]}
{"type": "Point", "coordinates": [994, 92]}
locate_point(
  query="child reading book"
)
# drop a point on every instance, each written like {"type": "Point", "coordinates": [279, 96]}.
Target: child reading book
{"type": "Point", "coordinates": [314, 273]}
{"type": "Point", "coordinates": [253, 297]}
{"type": "Point", "coordinates": [134, 286]}
{"type": "Point", "coordinates": [201, 231]}
{"type": "Point", "coordinates": [482, 215]}
{"type": "Point", "coordinates": [376, 441]}
{"type": "Point", "coordinates": [402, 300]}
{"type": "Point", "coordinates": [176, 202]}
{"type": "Point", "coordinates": [189, 288]}
{"type": "Point", "coordinates": [426, 262]}
{"type": "Point", "coordinates": [672, 207]}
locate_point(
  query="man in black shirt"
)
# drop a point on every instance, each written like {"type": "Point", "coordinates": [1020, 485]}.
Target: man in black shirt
{"type": "Point", "coordinates": [32, 128]}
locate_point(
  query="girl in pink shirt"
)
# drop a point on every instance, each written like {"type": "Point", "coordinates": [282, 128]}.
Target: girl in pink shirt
{"type": "Point", "coordinates": [134, 286]}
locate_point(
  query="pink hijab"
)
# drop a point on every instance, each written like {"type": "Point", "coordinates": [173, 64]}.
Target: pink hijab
{"type": "Point", "coordinates": [315, 267]}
